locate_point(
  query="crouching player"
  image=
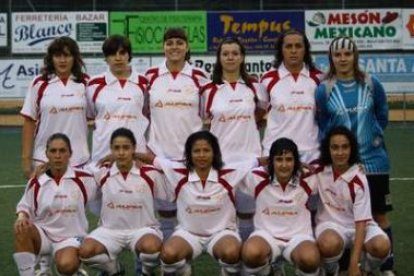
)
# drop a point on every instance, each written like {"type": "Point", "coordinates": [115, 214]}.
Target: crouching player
{"type": "Point", "coordinates": [344, 216]}
{"type": "Point", "coordinates": [51, 214]}
{"type": "Point", "coordinates": [127, 217]}
{"type": "Point", "coordinates": [282, 220]}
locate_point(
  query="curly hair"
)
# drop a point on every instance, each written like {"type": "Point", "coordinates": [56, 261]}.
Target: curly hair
{"type": "Point", "coordinates": [63, 45]}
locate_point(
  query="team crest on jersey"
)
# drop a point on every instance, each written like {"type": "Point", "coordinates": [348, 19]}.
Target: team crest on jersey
{"type": "Point", "coordinates": [159, 104]}
{"type": "Point", "coordinates": [53, 110]}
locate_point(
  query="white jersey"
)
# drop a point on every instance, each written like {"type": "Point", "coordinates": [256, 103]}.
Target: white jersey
{"type": "Point", "coordinates": [113, 106]}
{"type": "Point", "coordinates": [59, 208]}
{"type": "Point", "coordinates": [283, 213]}
{"type": "Point", "coordinates": [293, 109]}
{"type": "Point", "coordinates": [232, 117]}
{"type": "Point", "coordinates": [129, 203]}
{"type": "Point", "coordinates": [204, 209]}
{"type": "Point", "coordinates": [174, 104]}
{"type": "Point", "coordinates": [58, 107]}
{"type": "Point", "coordinates": [345, 200]}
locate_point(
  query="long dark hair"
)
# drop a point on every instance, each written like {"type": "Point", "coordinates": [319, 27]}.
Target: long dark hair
{"type": "Point", "coordinates": [218, 67]}
{"type": "Point", "coordinates": [359, 75]}
{"type": "Point", "coordinates": [63, 45]}
{"type": "Point", "coordinates": [178, 33]}
{"type": "Point", "coordinates": [279, 147]}
{"type": "Point", "coordinates": [211, 140]}
{"type": "Point", "coordinates": [326, 158]}
{"type": "Point", "coordinates": [307, 59]}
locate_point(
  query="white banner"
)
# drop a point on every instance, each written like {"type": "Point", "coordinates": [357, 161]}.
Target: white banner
{"type": "Point", "coordinates": [3, 29]}
{"type": "Point", "coordinates": [255, 64]}
{"type": "Point", "coordinates": [33, 31]}
{"type": "Point", "coordinates": [374, 29]}
{"type": "Point", "coordinates": [16, 75]}
{"type": "Point", "coordinates": [408, 29]}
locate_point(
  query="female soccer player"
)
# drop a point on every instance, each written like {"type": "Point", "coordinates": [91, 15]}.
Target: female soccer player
{"type": "Point", "coordinates": [174, 104]}
{"type": "Point", "coordinates": [344, 212]}
{"type": "Point", "coordinates": [282, 220]}
{"type": "Point", "coordinates": [116, 98]}
{"type": "Point", "coordinates": [205, 196]}
{"type": "Point", "coordinates": [234, 102]}
{"type": "Point", "coordinates": [349, 97]}
{"type": "Point", "coordinates": [51, 214]}
{"type": "Point", "coordinates": [127, 217]}
{"type": "Point", "coordinates": [56, 102]}
{"type": "Point", "coordinates": [291, 94]}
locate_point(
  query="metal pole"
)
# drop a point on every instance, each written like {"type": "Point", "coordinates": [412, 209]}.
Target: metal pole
{"type": "Point", "coordinates": [176, 5]}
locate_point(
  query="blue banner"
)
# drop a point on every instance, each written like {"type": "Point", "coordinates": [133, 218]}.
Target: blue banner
{"type": "Point", "coordinates": [257, 30]}
{"type": "Point", "coordinates": [395, 71]}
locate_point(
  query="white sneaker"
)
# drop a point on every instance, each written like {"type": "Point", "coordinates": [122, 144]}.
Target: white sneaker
{"type": "Point", "coordinates": [38, 272]}
{"type": "Point", "coordinates": [81, 272]}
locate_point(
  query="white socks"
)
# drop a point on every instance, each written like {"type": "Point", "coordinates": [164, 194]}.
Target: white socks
{"type": "Point", "coordinates": [25, 262]}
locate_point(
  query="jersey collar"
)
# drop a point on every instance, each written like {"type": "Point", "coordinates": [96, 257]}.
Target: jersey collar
{"type": "Point", "coordinates": [187, 70]}
{"type": "Point", "coordinates": [44, 178]}
{"type": "Point", "coordinates": [349, 174]}
{"type": "Point", "coordinates": [114, 170]}
{"type": "Point", "coordinates": [212, 176]}
{"type": "Point", "coordinates": [283, 71]}
{"type": "Point", "coordinates": [54, 78]}
{"type": "Point", "coordinates": [110, 78]}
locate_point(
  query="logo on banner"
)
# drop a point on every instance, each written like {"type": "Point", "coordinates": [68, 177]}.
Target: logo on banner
{"type": "Point", "coordinates": [363, 24]}
{"type": "Point", "coordinates": [37, 35]}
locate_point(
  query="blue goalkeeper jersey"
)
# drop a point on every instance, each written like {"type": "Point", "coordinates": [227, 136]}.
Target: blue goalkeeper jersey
{"type": "Point", "coordinates": [362, 108]}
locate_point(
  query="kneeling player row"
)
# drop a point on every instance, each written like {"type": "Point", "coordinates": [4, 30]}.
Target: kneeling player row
{"type": "Point", "coordinates": [51, 213]}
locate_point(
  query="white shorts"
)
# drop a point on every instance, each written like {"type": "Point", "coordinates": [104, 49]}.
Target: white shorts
{"type": "Point", "coordinates": [116, 240]}
{"type": "Point", "coordinates": [348, 234]}
{"type": "Point", "coordinates": [201, 244]}
{"type": "Point", "coordinates": [245, 204]}
{"type": "Point", "coordinates": [281, 247]}
{"type": "Point", "coordinates": [48, 246]}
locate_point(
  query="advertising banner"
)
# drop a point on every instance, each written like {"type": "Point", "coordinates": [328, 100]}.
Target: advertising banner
{"type": "Point", "coordinates": [408, 29]}
{"type": "Point", "coordinates": [395, 71]}
{"type": "Point", "coordinates": [16, 75]}
{"type": "Point", "coordinates": [146, 29]}
{"type": "Point", "coordinates": [3, 29]}
{"type": "Point", "coordinates": [374, 29]}
{"type": "Point", "coordinates": [32, 32]}
{"type": "Point", "coordinates": [257, 31]}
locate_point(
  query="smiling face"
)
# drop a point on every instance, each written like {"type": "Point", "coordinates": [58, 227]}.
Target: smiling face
{"type": "Point", "coordinates": [293, 49]}
{"type": "Point", "coordinates": [231, 57]}
{"type": "Point", "coordinates": [343, 61]}
{"type": "Point", "coordinates": [119, 63]}
{"type": "Point", "coordinates": [340, 151]}
{"type": "Point", "coordinates": [63, 63]}
{"type": "Point", "coordinates": [123, 150]}
{"type": "Point", "coordinates": [202, 155]}
{"type": "Point", "coordinates": [283, 166]}
{"type": "Point", "coordinates": [175, 50]}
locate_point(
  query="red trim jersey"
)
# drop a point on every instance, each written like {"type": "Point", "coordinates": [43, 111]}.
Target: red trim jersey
{"type": "Point", "coordinates": [345, 200]}
{"type": "Point", "coordinates": [58, 107]}
{"type": "Point", "coordinates": [175, 107]}
{"type": "Point", "coordinates": [231, 110]}
{"type": "Point", "coordinates": [114, 105]}
{"type": "Point", "coordinates": [292, 108]}
{"type": "Point", "coordinates": [128, 204]}
{"type": "Point", "coordinates": [281, 210]}
{"type": "Point", "coordinates": [58, 208]}
{"type": "Point", "coordinates": [204, 207]}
